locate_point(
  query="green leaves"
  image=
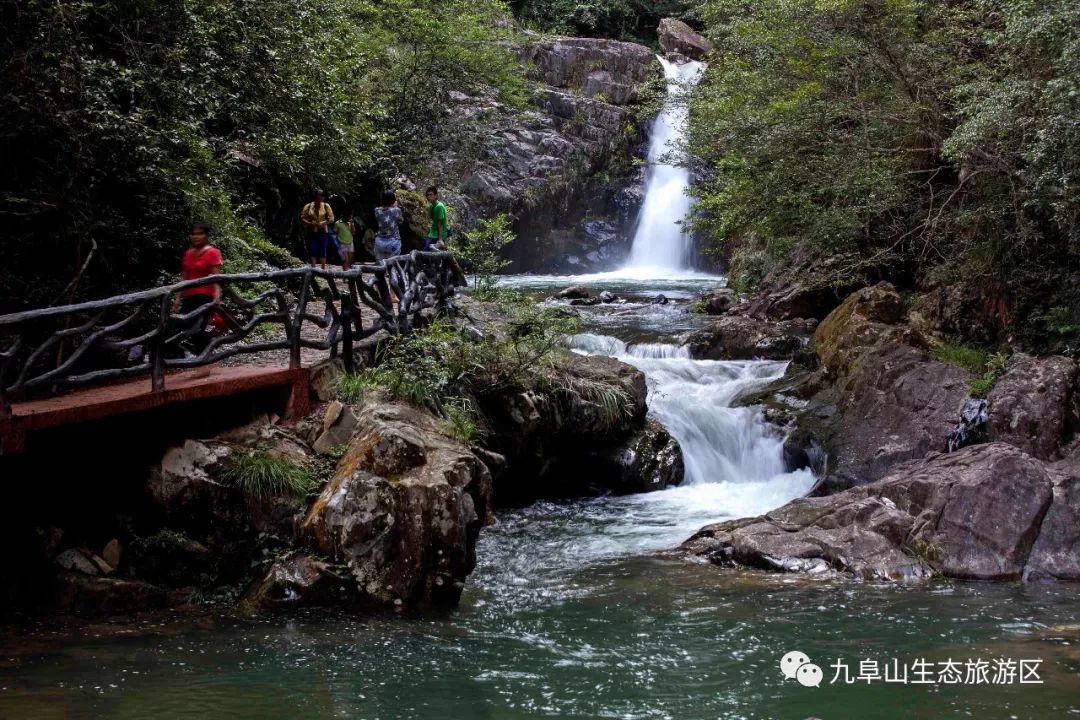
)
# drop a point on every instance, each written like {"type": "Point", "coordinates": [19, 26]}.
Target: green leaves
{"type": "Point", "coordinates": [128, 119]}
{"type": "Point", "coordinates": [943, 134]}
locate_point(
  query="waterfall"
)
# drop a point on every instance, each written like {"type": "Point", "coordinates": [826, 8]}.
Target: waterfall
{"type": "Point", "coordinates": [659, 240]}
{"type": "Point", "coordinates": [724, 447]}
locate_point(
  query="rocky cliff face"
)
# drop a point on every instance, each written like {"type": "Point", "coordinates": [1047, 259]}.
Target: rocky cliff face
{"type": "Point", "coordinates": [562, 165]}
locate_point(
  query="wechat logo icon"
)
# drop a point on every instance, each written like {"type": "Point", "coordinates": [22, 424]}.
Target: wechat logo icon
{"type": "Point", "coordinates": [797, 666]}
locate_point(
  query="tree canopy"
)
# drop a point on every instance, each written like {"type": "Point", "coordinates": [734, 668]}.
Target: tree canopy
{"type": "Point", "coordinates": [125, 120]}
{"type": "Point", "coordinates": [934, 140]}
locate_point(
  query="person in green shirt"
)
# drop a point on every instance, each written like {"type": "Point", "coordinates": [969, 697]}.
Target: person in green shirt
{"type": "Point", "coordinates": [439, 230]}
{"type": "Point", "coordinates": [346, 228]}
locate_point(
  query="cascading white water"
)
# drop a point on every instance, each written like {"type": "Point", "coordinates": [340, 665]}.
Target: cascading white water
{"type": "Point", "coordinates": [692, 398]}
{"type": "Point", "coordinates": [659, 240]}
{"type": "Point", "coordinates": [734, 468]}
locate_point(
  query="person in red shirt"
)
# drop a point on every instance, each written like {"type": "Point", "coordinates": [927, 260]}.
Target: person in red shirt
{"type": "Point", "coordinates": [200, 260]}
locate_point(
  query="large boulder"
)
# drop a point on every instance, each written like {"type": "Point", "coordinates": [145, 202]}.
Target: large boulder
{"type": "Point", "coordinates": [298, 580]}
{"type": "Point", "coordinates": [548, 433]}
{"type": "Point", "coordinates": [678, 38]}
{"type": "Point", "coordinates": [884, 400]}
{"type": "Point", "coordinates": [403, 509]}
{"type": "Point", "coordinates": [865, 319]}
{"type": "Point", "coordinates": [1029, 405]}
{"type": "Point", "coordinates": [980, 513]}
{"type": "Point", "coordinates": [897, 405]}
{"type": "Point", "coordinates": [741, 337]}
{"type": "Point", "coordinates": [187, 489]}
{"type": "Point", "coordinates": [649, 460]}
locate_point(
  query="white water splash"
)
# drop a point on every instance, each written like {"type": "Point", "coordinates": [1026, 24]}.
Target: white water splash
{"type": "Point", "coordinates": [660, 243]}
{"type": "Point", "coordinates": [734, 460]}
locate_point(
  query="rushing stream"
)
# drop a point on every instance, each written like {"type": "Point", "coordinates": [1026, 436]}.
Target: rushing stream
{"type": "Point", "coordinates": [572, 613]}
{"type": "Point", "coordinates": [574, 609]}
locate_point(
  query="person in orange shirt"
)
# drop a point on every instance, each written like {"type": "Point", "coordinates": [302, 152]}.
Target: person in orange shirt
{"type": "Point", "coordinates": [317, 216]}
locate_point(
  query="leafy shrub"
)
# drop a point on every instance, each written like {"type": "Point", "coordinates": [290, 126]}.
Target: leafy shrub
{"type": "Point", "coordinates": [442, 366]}
{"type": "Point", "coordinates": [480, 250]}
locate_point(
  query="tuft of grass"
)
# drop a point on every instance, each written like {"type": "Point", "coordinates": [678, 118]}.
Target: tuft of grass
{"type": "Point", "coordinates": [995, 367]}
{"type": "Point", "coordinates": [261, 474]}
{"type": "Point", "coordinates": [613, 402]}
{"type": "Point", "coordinates": [461, 420]}
{"type": "Point", "coordinates": [986, 367]}
{"type": "Point", "coordinates": [351, 388]}
{"type": "Point", "coordinates": [962, 356]}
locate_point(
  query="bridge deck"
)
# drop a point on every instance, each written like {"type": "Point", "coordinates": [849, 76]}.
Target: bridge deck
{"type": "Point", "coordinates": [136, 395]}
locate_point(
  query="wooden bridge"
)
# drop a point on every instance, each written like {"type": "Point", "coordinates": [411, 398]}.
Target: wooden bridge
{"type": "Point", "coordinates": [136, 352]}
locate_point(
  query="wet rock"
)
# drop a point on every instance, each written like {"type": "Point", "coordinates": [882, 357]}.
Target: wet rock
{"type": "Point", "coordinates": [651, 460]}
{"type": "Point", "coordinates": [299, 580]}
{"type": "Point", "coordinates": [717, 302]}
{"type": "Point", "coordinates": [577, 292]}
{"type": "Point", "coordinates": [608, 297]}
{"type": "Point", "coordinates": [974, 514]}
{"type": "Point", "coordinates": [1029, 404]}
{"type": "Point", "coordinates": [739, 337]}
{"type": "Point", "coordinates": [647, 461]}
{"type": "Point", "coordinates": [660, 299]}
{"type": "Point", "coordinates": [339, 422]}
{"type": "Point", "coordinates": [81, 594]}
{"type": "Point", "coordinates": [585, 302]}
{"type": "Point", "coordinates": [678, 37]}
{"type": "Point", "coordinates": [403, 509]}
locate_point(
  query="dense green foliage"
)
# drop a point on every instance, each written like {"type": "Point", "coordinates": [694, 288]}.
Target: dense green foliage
{"type": "Point", "coordinates": [632, 20]}
{"type": "Point", "coordinates": [928, 142]}
{"type": "Point", "coordinates": [124, 120]}
{"type": "Point", "coordinates": [447, 368]}
{"type": "Point", "coordinates": [444, 361]}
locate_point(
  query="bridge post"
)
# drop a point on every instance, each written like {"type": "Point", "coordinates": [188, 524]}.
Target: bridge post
{"type": "Point", "coordinates": [347, 334]}
{"type": "Point", "coordinates": [157, 347]}
{"type": "Point", "coordinates": [298, 323]}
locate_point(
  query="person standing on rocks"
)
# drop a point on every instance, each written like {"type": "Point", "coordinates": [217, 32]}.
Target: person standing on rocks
{"type": "Point", "coordinates": [439, 230]}
{"type": "Point", "coordinates": [317, 217]}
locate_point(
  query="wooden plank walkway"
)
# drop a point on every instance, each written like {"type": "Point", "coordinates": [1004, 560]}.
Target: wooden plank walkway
{"type": "Point", "coordinates": [137, 395]}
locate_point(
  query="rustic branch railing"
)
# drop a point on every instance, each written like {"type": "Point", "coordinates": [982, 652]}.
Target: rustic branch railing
{"type": "Point", "coordinates": [139, 333]}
